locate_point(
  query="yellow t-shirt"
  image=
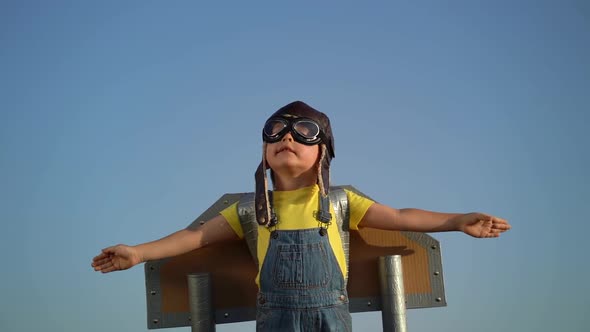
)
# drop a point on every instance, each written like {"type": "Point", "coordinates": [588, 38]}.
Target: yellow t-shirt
{"type": "Point", "coordinates": [295, 211]}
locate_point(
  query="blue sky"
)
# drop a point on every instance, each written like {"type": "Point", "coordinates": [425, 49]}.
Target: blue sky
{"type": "Point", "coordinates": [123, 121]}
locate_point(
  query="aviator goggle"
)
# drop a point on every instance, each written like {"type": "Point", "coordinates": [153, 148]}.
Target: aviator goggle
{"type": "Point", "coordinates": [303, 130]}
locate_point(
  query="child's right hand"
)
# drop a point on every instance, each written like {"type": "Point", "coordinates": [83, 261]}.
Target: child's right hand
{"type": "Point", "coordinates": [116, 258]}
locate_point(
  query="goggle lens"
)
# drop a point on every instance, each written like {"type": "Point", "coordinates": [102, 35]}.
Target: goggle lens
{"type": "Point", "coordinates": [307, 129]}
{"type": "Point", "coordinates": [274, 127]}
{"type": "Point", "coordinates": [303, 130]}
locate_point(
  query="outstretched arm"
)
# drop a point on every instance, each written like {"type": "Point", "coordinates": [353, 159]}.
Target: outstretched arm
{"type": "Point", "coordinates": [122, 257]}
{"type": "Point", "coordinates": [478, 225]}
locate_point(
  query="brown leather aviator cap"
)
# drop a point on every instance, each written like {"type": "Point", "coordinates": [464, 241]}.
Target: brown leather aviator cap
{"type": "Point", "coordinates": [294, 110]}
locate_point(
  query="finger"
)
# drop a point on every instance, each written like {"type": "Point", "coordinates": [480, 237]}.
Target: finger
{"type": "Point", "coordinates": [500, 221]}
{"type": "Point", "coordinates": [106, 266]}
{"type": "Point", "coordinates": [100, 267]}
{"type": "Point", "coordinates": [501, 230]}
{"type": "Point", "coordinates": [101, 261]}
{"type": "Point", "coordinates": [102, 255]}
{"type": "Point", "coordinates": [109, 269]}
{"type": "Point", "coordinates": [490, 234]}
{"type": "Point", "coordinates": [501, 226]}
{"type": "Point", "coordinates": [495, 233]}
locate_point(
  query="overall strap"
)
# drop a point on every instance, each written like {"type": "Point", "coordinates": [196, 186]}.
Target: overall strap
{"type": "Point", "coordinates": [247, 215]}
{"type": "Point", "coordinates": [339, 201]}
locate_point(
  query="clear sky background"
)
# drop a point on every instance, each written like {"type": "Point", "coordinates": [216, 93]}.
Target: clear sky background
{"type": "Point", "coordinates": [122, 121]}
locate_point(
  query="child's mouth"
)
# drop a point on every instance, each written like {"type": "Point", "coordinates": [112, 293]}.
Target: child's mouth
{"type": "Point", "coordinates": [285, 149]}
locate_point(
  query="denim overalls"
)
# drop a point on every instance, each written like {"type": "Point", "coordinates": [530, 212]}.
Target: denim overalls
{"type": "Point", "coordinates": [301, 285]}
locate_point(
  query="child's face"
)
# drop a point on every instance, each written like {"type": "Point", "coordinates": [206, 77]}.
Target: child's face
{"type": "Point", "coordinates": [290, 158]}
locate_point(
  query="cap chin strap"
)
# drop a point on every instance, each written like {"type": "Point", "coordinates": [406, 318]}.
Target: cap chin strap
{"type": "Point", "coordinates": [323, 215]}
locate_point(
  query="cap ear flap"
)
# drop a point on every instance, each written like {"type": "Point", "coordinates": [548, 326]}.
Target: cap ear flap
{"type": "Point", "coordinates": [324, 170]}
{"type": "Point", "coordinates": [261, 200]}
{"type": "Point", "coordinates": [261, 196]}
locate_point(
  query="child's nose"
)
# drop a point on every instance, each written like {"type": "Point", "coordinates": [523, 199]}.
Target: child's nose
{"type": "Point", "coordinates": [287, 137]}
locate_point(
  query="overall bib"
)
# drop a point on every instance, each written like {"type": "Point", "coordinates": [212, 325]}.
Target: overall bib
{"type": "Point", "coordinates": [301, 285]}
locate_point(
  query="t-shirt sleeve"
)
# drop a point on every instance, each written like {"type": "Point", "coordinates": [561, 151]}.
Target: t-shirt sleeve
{"type": "Point", "coordinates": [233, 219]}
{"type": "Point", "coordinates": [358, 206]}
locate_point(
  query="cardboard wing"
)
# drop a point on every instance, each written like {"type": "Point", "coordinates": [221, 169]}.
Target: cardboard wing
{"type": "Point", "coordinates": [233, 272]}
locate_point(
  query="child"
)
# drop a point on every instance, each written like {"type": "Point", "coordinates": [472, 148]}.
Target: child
{"type": "Point", "coordinates": [299, 251]}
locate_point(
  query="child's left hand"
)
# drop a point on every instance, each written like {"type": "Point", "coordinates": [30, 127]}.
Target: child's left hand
{"type": "Point", "coordinates": [481, 225]}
